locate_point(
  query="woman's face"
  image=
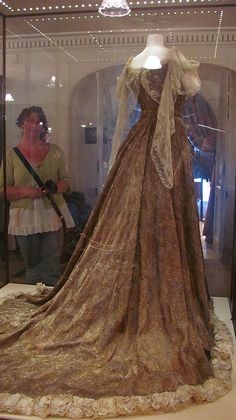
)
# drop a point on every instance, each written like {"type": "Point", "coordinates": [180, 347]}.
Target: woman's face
{"type": "Point", "coordinates": [32, 126]}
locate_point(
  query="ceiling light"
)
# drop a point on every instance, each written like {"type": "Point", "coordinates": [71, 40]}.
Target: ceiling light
{"type": "Point", "coordinates": [114, 8]}
{"type": "Point", "coordinates": [9, 97]}
{"type": "Point", "coordinates": [54, 83]}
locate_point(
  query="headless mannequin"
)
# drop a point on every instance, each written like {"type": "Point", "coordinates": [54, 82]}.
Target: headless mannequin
{"type": "Point", "coordinates": [153, 55]}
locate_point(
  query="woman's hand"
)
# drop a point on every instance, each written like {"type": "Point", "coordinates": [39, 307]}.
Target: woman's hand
{"type": "Point", "coordinates": [31, 192]}
{"type": "Point", "coordinates": [62, 186]}
{"type": "Point", "coordinates": [16, 193]}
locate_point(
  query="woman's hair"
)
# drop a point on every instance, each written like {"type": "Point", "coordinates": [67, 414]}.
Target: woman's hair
{"type": "Point", "coordinates": [27, 112]}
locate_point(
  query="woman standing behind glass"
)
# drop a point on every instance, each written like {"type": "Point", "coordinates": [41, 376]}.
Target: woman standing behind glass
{"type": "Point", "coordinates": [33, 221]}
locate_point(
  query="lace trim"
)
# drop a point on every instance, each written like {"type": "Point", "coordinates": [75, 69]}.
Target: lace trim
{"type": "Point", "coordinates": [165, 127]}
{"type": "Point", "coordinates": [122, 93]}
{"type": "Point", "coordinates": [74, 406]}
{"type": "Point", "coordinates": [181, 79]}
{"type": "Point", "coordinates": [41, 290]}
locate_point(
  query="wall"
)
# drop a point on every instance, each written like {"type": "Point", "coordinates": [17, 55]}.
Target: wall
{"type": "Point", "coordinates": [32, 60]}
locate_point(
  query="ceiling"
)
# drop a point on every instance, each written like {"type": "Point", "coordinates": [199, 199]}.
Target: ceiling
{"type": "Point", "coordinates": [138, 22]}
{"type": "Point", "coordinates": [19, 7]}
{"type": "Point", "coordinates": [35, 17]}
{"type": "Point", "coordinates": [68, 26]}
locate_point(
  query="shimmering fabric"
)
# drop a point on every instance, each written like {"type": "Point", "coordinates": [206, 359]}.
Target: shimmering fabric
{"type": "Point", "coordinates": [130, 315]}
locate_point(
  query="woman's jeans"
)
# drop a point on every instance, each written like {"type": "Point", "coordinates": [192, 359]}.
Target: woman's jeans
{"type": "Point", "coordinates": [42, 254]}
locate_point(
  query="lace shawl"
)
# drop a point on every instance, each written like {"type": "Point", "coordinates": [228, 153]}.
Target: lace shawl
{"type": "Point", "coordinates": [181, 79]}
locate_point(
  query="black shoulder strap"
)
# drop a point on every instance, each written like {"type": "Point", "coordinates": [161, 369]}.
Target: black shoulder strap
{"type": "Point", "coordinates": [40, 183]}
{"type": "Point", "coordinates": [29, 167]}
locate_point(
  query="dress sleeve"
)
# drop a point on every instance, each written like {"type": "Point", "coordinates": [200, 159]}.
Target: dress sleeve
{"type": "Point", "coordinates": [9, 172]}
{"type": "Point", "coordinates": [189, 73]}
{"type": "Point", "coordinates": [63, 171]}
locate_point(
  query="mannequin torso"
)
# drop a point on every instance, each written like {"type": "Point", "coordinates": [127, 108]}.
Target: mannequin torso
{"type": "Point", "coordinates": [154, 54]}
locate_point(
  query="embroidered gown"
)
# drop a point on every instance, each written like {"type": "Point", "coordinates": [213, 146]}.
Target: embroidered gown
{"type": "Point", "coordinates": [127, 330]}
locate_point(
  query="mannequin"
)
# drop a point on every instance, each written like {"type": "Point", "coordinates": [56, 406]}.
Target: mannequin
{"type": "Point", "coordinates": [153, 55]}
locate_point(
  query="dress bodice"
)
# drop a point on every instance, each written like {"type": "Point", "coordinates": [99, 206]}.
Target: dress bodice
{"type": "Point", "coordinates": [155, 79]}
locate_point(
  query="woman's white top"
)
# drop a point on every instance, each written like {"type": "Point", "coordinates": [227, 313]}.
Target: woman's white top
{"type": "Point", "coordinates": [38, 220]}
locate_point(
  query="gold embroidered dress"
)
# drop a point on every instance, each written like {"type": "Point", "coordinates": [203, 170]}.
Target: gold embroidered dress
{"type": "Point", "coordinates": [127, 330]}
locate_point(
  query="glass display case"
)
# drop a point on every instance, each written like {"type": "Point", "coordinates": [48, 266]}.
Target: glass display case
{"type": "Point", "coordinates": [117, 207]}
{"type": "Point", "coordinates": [66, 58]}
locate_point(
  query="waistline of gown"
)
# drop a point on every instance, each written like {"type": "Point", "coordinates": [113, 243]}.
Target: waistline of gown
{"type": "Point", "coordinates": [153, 114]}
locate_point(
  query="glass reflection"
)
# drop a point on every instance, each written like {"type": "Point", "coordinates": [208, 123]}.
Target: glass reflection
{"type": "Point", "coordinates": [69, 65]}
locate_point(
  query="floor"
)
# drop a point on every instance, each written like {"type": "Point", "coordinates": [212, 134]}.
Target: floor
{"type": "Point", "coordinates": [223, 409]}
